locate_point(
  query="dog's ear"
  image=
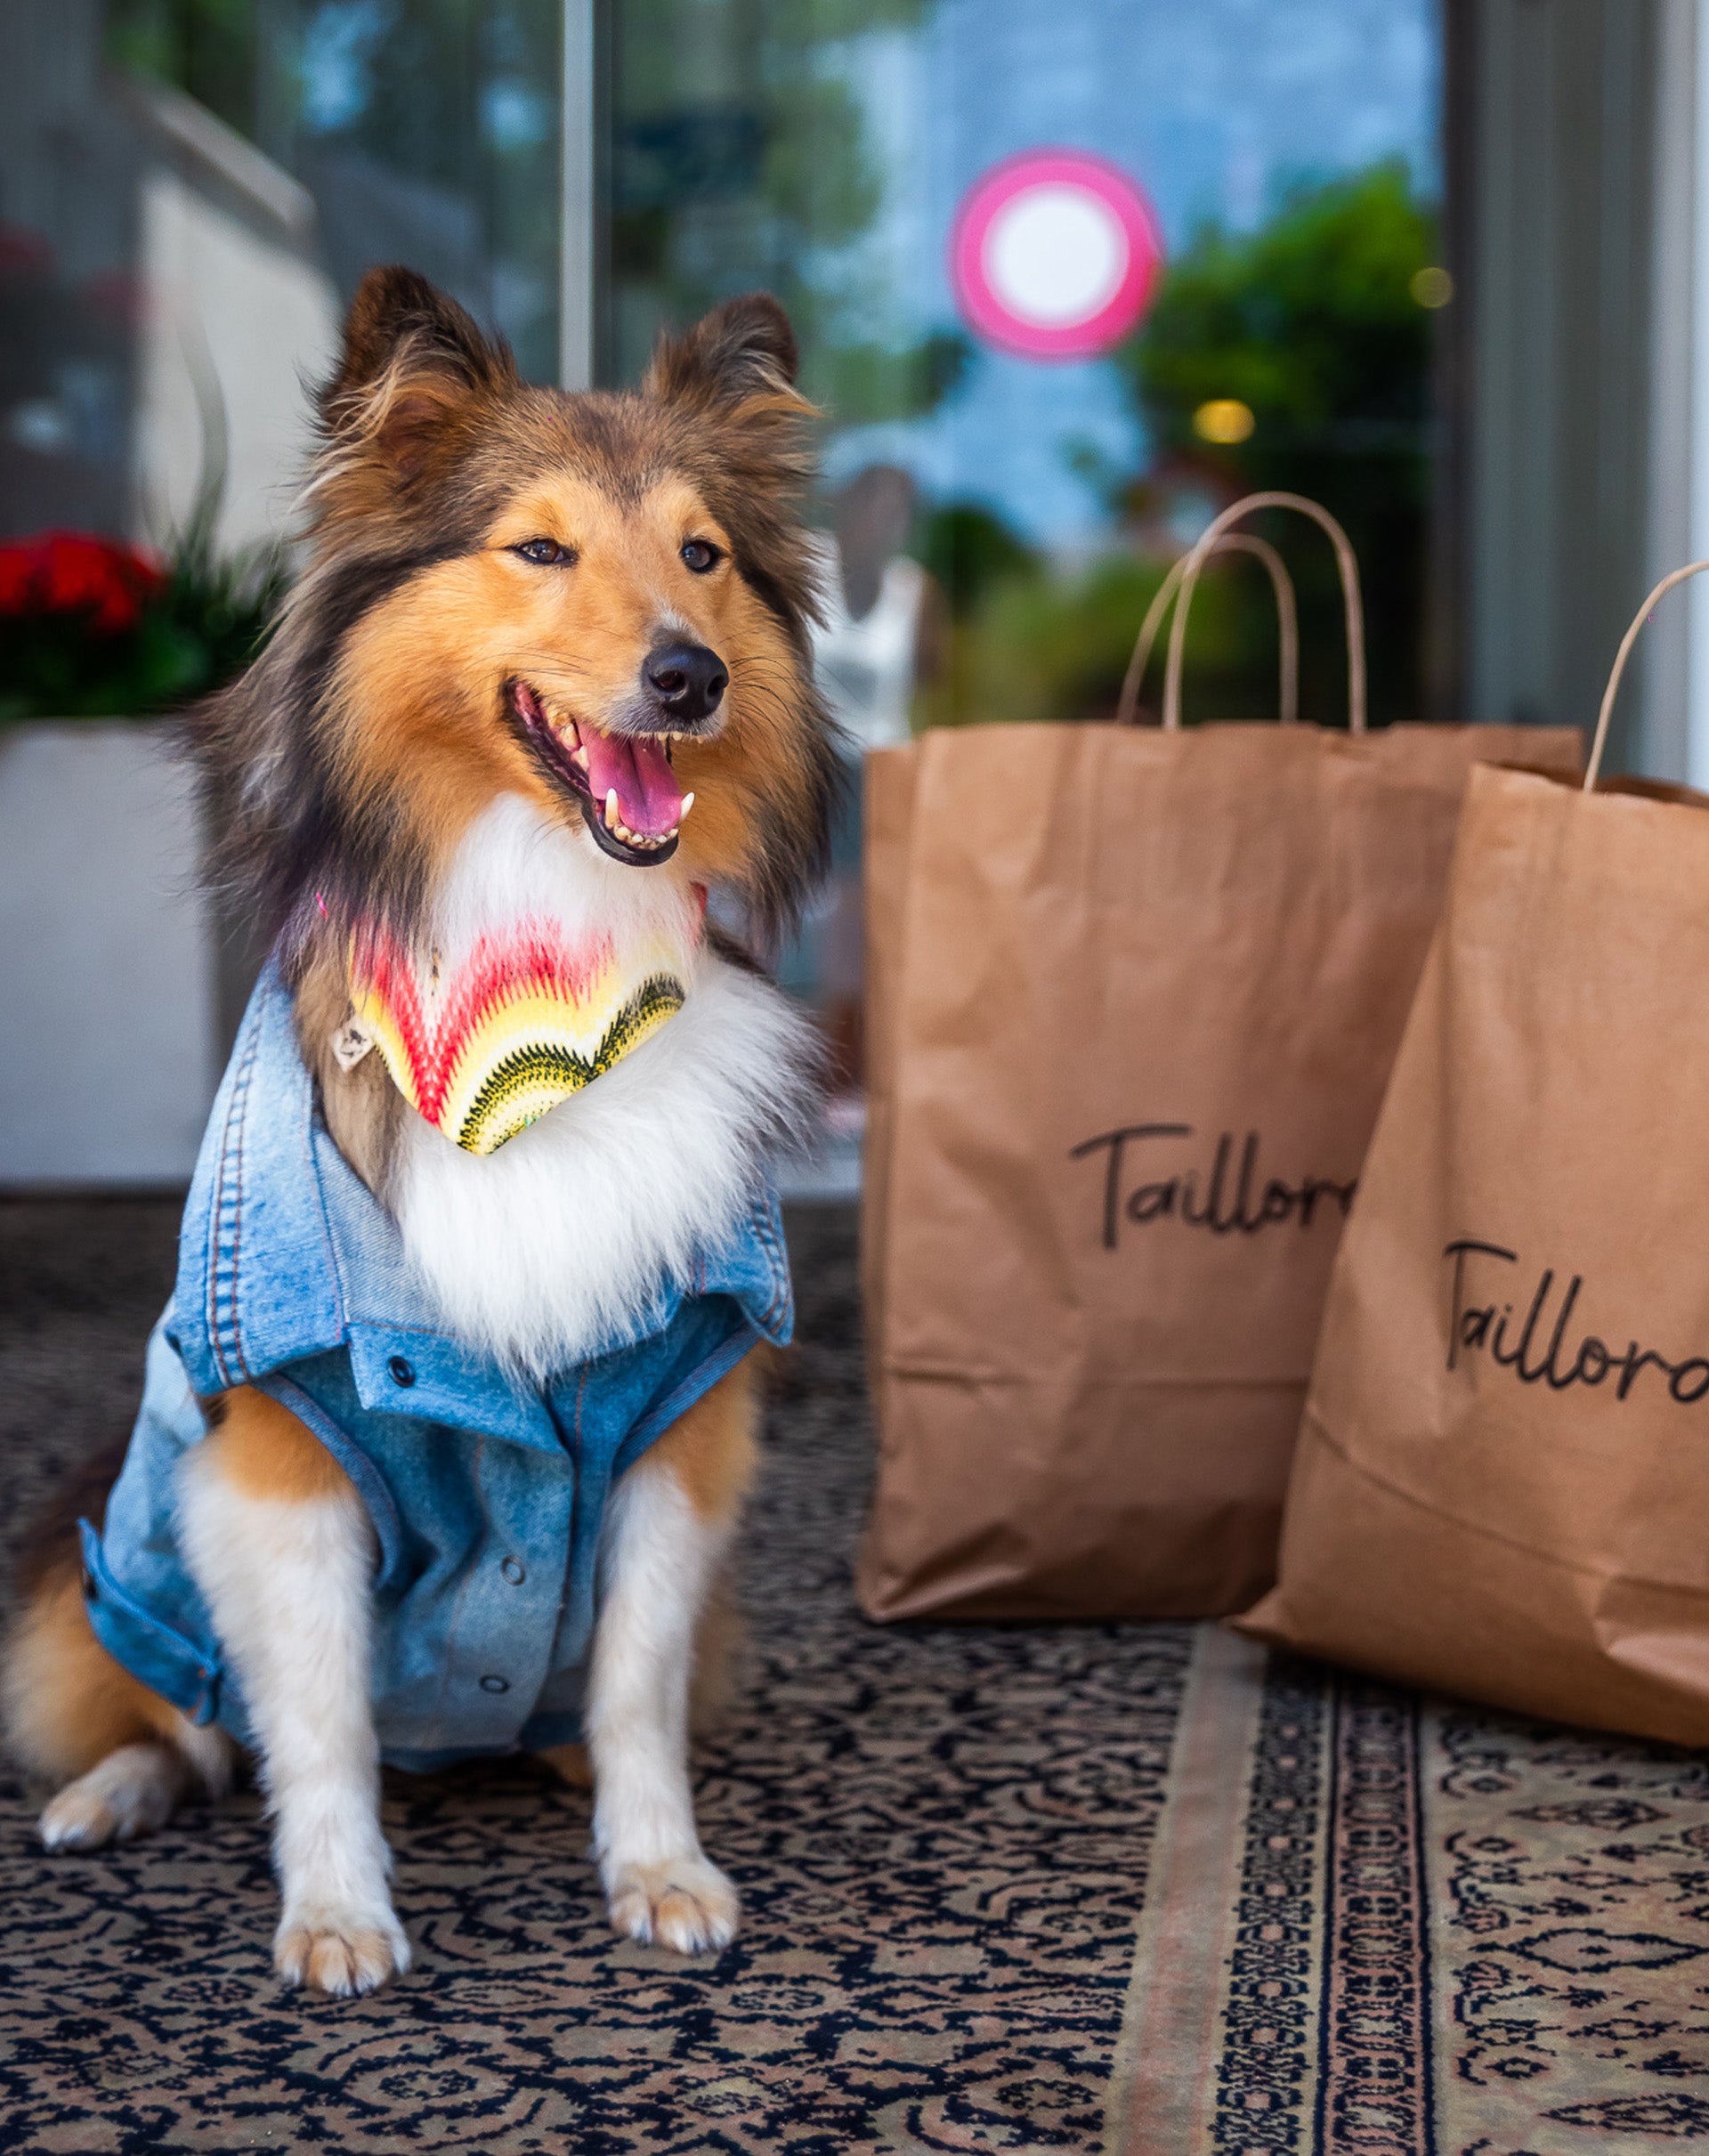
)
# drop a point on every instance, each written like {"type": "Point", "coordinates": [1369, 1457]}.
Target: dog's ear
{"type": "Point", "coordinates": [742, 350]}
{"type": "Point", "coordinates": [734, 377]}
{"type": "Point", "coordinates": [413, 362]}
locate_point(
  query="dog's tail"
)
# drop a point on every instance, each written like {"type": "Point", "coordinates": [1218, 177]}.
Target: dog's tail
{"type": "Point", "coordinates": [50, 1542]}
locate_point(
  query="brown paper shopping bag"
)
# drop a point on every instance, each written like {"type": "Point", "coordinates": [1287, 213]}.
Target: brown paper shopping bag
{"type": "Point", "coordinates": [1133, 996]}
{"type": "Point", "coordinates": [1501, 1487]}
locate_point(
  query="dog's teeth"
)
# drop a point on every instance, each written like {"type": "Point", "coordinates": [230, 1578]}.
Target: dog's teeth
{"type": "Point", "coordinates": [578, 757]}
{"type": "Point", "coordinates": [682, 814]}
{"type": "Point", "coordinates": [612, 817]}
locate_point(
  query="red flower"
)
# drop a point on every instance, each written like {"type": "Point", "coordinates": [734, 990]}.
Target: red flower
{"type": "Point", "coordinates": [73, 572]}
{"type": "Point", "coordinates": [18, 592]}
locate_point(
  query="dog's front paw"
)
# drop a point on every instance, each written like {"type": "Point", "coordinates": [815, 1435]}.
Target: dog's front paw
{"type": "Point", "coordinates": [343, 1951]}
{"type": "Point", "coordinates": [87, 1817]}
{"type": "Point", "coordinates": [132, 1791]}
{"type": "Point", "coordinates": [685, 1904]}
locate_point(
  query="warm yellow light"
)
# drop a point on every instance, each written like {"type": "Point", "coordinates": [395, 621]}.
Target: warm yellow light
{"type": "Point", "coordinates": [1431, 287]}
{"type": "Point", "coordinates": [1224, 421]}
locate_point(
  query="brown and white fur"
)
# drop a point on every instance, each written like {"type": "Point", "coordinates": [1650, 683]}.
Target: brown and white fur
{"type": "Point", "coordinates": [493, 568]}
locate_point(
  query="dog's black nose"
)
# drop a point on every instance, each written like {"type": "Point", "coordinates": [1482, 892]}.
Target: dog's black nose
{"type": "Point", "coordinates": [688, 680]}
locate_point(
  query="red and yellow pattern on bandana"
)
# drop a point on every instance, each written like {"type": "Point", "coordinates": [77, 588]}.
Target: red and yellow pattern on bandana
{"type": "Point", "coordinates": [486, 1048]}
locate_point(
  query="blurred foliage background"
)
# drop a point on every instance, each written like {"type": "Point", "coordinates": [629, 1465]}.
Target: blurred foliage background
{"type": "Point", "coordinates": [1319, 324]}
{"type": "Point", "coordinates": [740, 157]}
{"type": "Point", "coordinates": [1042, 643]}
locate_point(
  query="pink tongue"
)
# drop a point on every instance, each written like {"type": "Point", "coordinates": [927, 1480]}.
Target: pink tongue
{"type": "Point", "coordinates": [648, 799]}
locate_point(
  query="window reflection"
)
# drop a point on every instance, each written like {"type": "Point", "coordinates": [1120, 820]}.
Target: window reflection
{"type": "Point", "coordinates": [1000, 503]}
{"type": "Point", "coordinates": [189, 191]}
{"type": "Point", "coordinates": [1289, 152]}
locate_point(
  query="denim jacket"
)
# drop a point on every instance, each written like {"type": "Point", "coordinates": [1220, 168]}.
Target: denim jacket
{"type": "Point", "coordinates": [485, 1493]}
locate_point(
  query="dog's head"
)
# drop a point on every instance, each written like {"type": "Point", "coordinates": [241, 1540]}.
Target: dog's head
{"type": "Point", "coordinates": [601, 602]}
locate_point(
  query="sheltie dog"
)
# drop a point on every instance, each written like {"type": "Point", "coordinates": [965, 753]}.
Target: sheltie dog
{"type": "Point", "coordinates": [544, 682]}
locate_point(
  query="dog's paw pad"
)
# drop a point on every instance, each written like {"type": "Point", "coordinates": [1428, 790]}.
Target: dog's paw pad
{"type": "Point", "coordinates": [687, 1905]}
{"type": "Point", "coordinates": [342, 1952]}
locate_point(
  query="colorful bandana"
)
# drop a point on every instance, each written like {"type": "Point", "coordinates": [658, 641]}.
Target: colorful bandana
{"type": "Point", "coordinates": [489, 1047]}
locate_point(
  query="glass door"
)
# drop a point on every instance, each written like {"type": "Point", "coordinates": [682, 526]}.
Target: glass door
{"type": "Point", "coordinates": [1069, 276]}
{"type": "Point", "coordinates": [189, 191]}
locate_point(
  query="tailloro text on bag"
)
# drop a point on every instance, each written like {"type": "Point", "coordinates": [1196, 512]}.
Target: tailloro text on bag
{"type": "Point", "coordinates": [1244, 1210]}
{"type": "Point", "coordinates": [1483, 1328]}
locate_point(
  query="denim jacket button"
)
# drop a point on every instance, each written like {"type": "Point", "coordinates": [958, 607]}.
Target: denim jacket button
{"type": "Point", "coordinates": [495, 1684]}
{"type": "Point", "coordinates": [515, 1571]}
{"type": "Point", "coordinates": [403, 1371]}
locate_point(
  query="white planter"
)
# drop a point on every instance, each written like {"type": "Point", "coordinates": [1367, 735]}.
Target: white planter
{"type": "Point", "coordinates": [109, 1025]}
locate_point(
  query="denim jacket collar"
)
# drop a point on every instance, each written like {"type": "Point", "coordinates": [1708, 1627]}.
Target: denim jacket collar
{"type": "Point", "coordinates": [285, 1254]}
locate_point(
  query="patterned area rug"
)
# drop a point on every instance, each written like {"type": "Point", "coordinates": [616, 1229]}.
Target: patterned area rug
{"type": "Point", "coordinates": [1380, 1925]}
{"type": "Point", "coordinates": [939, 1838]}
{"type": "Point", "coordinates": [1137, 1890]}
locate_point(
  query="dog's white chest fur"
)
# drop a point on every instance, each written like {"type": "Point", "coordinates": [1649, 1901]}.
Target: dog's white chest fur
{"type": "Point", "coordinates": [539, 1252]}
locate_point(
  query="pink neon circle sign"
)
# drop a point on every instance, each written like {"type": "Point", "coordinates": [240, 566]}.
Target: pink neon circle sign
{"type": "Point", "coordinates": [1054, 255]}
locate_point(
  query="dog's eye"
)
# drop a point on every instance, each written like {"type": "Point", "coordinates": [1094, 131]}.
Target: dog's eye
{"type": "Point", "coordinates": [701, 554]}
{"type": "Point", "coordinates": [547, 552]}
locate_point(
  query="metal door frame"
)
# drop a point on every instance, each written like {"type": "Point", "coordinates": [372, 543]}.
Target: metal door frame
{"type": "Point", "coordinates": [579, 237]}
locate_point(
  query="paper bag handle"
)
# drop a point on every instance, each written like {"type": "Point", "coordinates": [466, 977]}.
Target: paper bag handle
{"type": "Point", "coordinates": [1345, 561]}
{"type": "Point", "coordinates": [1287, 614]}
{"type": "Point", "coordinates": [1676, 576]}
